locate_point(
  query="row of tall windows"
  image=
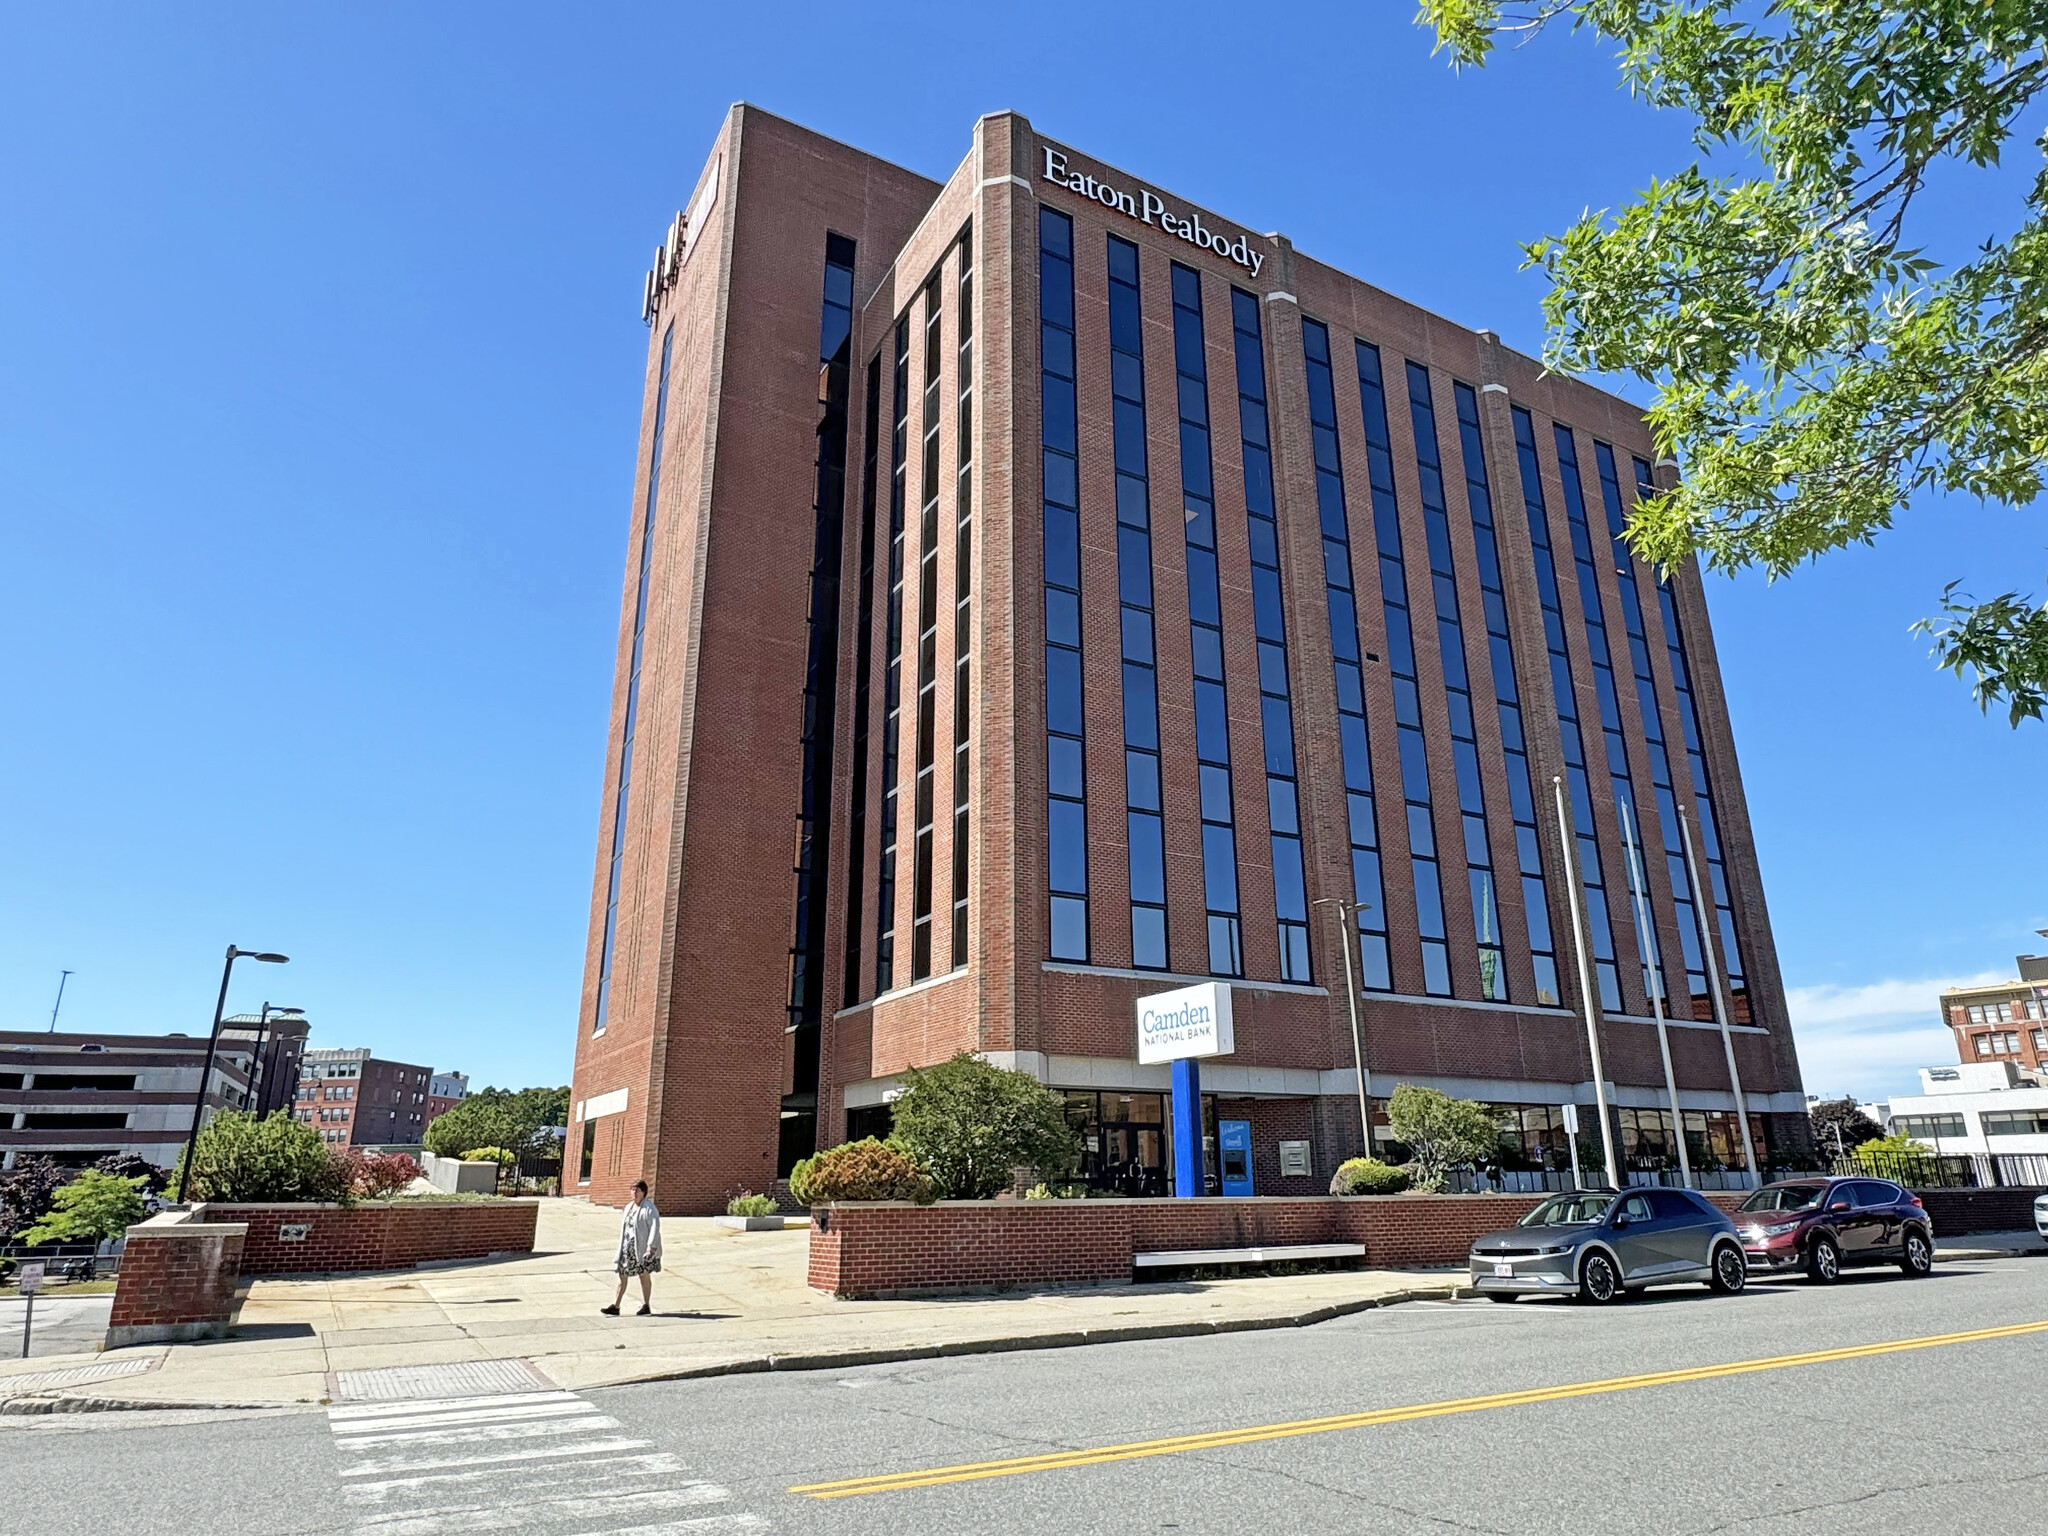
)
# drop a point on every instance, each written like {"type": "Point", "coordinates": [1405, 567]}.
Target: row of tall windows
{"type": "Point", "coordinates": [821, 694]}
{"type": "Point", "coordinates": [963, 590]}
{"type": "Point", "coordinates": [1716, 879]}
{"type": "Point", "coordinates": [1066, 796]}
{"type": "Point", "coordinates": [1415, 791]}
{"type": "Point", "coordinates": [1205, 616]}
{"type": "Point", "coordinates": [922, 844]}
{"type": "Point", "coordinates": [1143, 819]}
{"type": "Point", "coordinates": [1436, 522]}
{"type": "Point", "coordinates": [1599, 927]}
{"type": "Point", "coordinates": [1507, 696]}
{"type": "Point", "coordinates": [1593, 610]}
{"type": "Point", "coordinates": [1371, 921]}
{"type": "Point", "coordinates": [892, 658]}
{"type": "Point", "coordinates": [1269, 621]}
{"type": "Point", "coordinates": [864, 653]}
{"type": "Point", "coordinates": [1653, 738]}
{"type": "Point", "coordinates": [625, 782]}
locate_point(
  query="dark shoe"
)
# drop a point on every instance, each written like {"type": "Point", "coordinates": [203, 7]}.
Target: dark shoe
{"type": "Point", "coordinates": [610, 1311]}
{"type": "Point", "coordinates": [645, 1312]}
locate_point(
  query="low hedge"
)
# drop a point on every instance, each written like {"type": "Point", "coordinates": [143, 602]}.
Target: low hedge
{"type": "Point", "coordinates": [860, 1170]}
{"type": "Point", "coordinates": [1369, 1176]}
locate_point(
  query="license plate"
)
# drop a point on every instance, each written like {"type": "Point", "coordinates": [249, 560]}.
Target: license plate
{"type": "Point", "coordinates": [1503, 1271]}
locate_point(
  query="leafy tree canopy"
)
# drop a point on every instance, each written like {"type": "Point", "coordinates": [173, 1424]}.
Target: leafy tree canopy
{"type": "Point", "coordinates": [1812, 369]}
{"type": "Point", "coordinates": [1832, 1115]}
{"type": "Point", "coordinates": [90, 1209]}
{"type": "Point", "coordinates": [513, 1119]}
{"type": "Point", "coordinates": [971, 1123]}
{"type": "Point", "coordinates": [240, 1157]}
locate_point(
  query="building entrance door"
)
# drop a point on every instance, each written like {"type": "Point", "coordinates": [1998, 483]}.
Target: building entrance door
{"type": "Point", "coordinates": [1123, 1141]}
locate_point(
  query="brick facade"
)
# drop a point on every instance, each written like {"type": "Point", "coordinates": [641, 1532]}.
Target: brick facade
{"type": "Point", "coordinates": [373, 1234]}
{"type": "Point", "coordinates": [179, 1281]}
{"type": "Point", "coordinates": [693, 1073]}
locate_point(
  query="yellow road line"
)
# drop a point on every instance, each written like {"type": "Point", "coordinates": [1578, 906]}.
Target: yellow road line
{"type": "Point", "coordinates": [1054, 1461]}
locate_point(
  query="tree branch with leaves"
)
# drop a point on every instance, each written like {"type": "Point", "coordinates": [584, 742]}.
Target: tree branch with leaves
{"type": "Point", "coordinates": [1812, 371]}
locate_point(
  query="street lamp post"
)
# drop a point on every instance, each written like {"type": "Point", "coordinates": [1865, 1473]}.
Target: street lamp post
{"type": "Point", "coordinates": [256, 1061]}
{"type": "Point", "coordinates": [1588, 992]}
{"type": "Point", "coordinates": [220, 1003]}
{"type": "Point", "coordinates": [1347, 914]}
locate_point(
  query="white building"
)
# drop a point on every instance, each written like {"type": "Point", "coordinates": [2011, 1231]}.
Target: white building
{"type": "Point", "coordinates": [1987, 1109]}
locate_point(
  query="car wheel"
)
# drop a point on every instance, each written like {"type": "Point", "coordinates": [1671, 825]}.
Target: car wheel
{"type": "Point", "coordinates": [1599, 1280]}
{"type": "Point", "coordinates": [1824, 1260]}
{"type": "Point", "coordinates": [1731, 1270]}
{"type": "Point", "coordinates": [1916, 1261]}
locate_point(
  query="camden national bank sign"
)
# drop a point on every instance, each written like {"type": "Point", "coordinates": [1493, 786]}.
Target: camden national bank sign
{"type": "Point", "coordinates": [1148, 207]}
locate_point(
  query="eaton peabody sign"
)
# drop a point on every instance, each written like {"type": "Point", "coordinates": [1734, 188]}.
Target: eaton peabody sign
{"type": "Point", "coordinates": [1194, 1021]}
{"type": "Point", "coordinates": [1148, 207]}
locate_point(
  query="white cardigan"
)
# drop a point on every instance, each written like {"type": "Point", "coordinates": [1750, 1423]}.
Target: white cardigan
{"type": "Point", "coordinates": [640, 1232]}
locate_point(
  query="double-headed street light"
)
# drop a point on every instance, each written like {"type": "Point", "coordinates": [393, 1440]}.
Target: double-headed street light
{"type": "Point", "coordinates": [268, 957]}
{"type": "Point", "coordinates": [256, 1061]}
{"type": "Point", "coordinates": [1347, 915]}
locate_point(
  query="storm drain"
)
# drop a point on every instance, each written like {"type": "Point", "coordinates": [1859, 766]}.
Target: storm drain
{"type": "Point", "coordinates": [76, 1376]}
{"type": "Point", "coordinates": [468, 1378]}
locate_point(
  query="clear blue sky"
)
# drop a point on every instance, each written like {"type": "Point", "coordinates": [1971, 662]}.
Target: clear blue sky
{"type": "Point", "coordinates": [320, 363]}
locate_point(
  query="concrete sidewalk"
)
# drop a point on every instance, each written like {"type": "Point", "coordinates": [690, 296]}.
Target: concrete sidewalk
{"type": "Point", "coordinates": [726, 1301]}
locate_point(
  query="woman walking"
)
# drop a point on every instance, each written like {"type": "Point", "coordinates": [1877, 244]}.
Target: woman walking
{"type": "Point", "coordinates": [639, 1251]}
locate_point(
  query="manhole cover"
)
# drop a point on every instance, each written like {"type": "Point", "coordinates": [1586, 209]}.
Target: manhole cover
{"type": "Point", "coordinates": [469, 1378]}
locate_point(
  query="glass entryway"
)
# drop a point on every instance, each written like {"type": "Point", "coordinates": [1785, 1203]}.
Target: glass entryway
{"type": "Point", "coordinates": [1125, 1145]}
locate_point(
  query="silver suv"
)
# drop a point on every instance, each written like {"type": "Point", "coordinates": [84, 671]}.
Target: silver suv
{"type": "Point", "coordinates": [1597, 1244]}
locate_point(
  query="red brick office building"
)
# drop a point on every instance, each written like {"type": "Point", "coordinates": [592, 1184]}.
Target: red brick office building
{"type": "Point", "coordinates": [1041, 592]}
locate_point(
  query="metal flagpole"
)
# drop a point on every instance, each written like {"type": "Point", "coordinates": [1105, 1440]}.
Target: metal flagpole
{"type": "Point", "coordinates": [1653, 976]}
{"type": "Point", "coordinates": [1586, 990]}
{"type": "Point", "coordinates": [1701, 908]}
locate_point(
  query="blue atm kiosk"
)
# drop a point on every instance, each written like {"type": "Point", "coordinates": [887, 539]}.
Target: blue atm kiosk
{"type": "Point", "coordinates": [1234, 1154]}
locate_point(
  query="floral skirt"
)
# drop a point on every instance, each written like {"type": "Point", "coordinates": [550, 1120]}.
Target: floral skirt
{"type": "Point", "coordinates": [628, 1265]}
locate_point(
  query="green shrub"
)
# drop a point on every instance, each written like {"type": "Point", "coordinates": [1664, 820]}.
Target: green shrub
{"type": "Point", "coordinates": [860, 1170]}
{"type": "Point", "coordinates": [748, 1204]}
{"type": "Point", "coordinates": [239, 1157]}
{"type": "Point", "coordinates": [504, 1159]}
{"type": "Point", "coordinates": [1368, 1176]}
{"type": "Point", "coordinates": [971, 1124]}
{"type": "Point", "coordinates": [1882, 1153]}
{"type": "Point", "coordinates": [377, 1175]}
{"type": "Point", "coordinates": [1442, 1132]}
{"type": "Point", "coordinates": [90, 1209]}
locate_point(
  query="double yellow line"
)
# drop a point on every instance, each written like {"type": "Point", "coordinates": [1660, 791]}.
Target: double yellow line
{"type": "Point", "coordinates": [1055, 1461]}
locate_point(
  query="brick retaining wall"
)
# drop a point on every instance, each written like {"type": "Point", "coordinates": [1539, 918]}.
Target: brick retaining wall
{"type": "Point", "coordinates": [178, 1281]}
{"type": "Point", "coordinates": [375, 1234]}
{"type": "Point", "coordinates": [1956, 1212]}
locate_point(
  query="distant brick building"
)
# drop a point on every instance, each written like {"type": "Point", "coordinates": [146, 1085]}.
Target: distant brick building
{"type": "Point", "coordinates": [1158, 582]}
{"type": "Point", "coordinates": [2003, 1020]}
{"type": "Point", "coordinates": [445, 1090]}
{"type": "Point", "coordinates": [355, 1099]}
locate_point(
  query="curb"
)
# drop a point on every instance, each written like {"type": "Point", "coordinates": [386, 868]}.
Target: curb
{"type": "Point", "coordinates": [834, 1360]}
{"type": "Point", "coordinates": [1133, 1333]}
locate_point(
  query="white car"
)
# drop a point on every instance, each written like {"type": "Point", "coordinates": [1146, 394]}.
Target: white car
{"type": "Point", "coordinates": [2041, 1214]}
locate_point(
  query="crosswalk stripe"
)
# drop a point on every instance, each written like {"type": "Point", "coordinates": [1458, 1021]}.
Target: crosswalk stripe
{"type": "Point", "coordinates": [478, 1415]}
{"type": "Point", "coordinates": [379, 1466]}
{"type": "Point", "coordinates": [352, 1412]}
{"type": "Point", "coordinates": [517, 1515]}
{"type": "Point", "coordinates": [552, 1476]}
{"type": "Point", "coordinates": [483, 1433]}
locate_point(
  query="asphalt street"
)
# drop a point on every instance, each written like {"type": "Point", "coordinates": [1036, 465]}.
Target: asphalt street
{"type": "Point", "coordinates": [1790, 1408]}
{"type": "Point", "coordinates": [62, 1325]}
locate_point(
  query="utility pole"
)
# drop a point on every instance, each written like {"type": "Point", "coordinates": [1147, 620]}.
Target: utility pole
{"type": "Point", "coordinates": [62, 977]}
{"type": "Point", "coordinates": [1587, 992]}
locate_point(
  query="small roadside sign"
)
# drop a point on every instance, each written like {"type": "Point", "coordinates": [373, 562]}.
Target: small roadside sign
{"type": "Point", "coordinates": [1571, 1119]}
{"type": "Point", "coordinates": [31, 1281]}
{"type": "Point", "coordinates": [31, 1278]}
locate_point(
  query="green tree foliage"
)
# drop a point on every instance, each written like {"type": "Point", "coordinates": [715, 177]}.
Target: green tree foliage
{"type": "Point", "coordinates": [90, 1209]}
{"type": "Point", "coordinates": [126, 1165]}
{"type": "Point", "coordinates": [861, 1170]}
{"type": "Point", "coordinates": [1812, 369]}
{"type": "Point", "coordinates": [1368, 1176]}
{"type": "Point", "coordinates": [239, 1157]}
{"type": "Point", "coordinates": [1881, 1154]}
{"type": "Point", "coordinates": [1441, 1132]}
{"type": "Point", "coordinates": [514, 1119]}
{"type": "Point", "coordinates": [1841, 1115]}
{"type": "Point", "coordinates": [971, 1123]}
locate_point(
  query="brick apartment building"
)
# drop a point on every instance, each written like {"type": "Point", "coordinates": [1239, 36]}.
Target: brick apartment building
{"type": "Point", "coordinates": [445, 1090]}
{"type": "Point", "coordinates": [1158, 582]}
{"type": "Point", "coordinates": [355, 1099]}
{"type": "Point", "coordinates": [2005, 1020]}
{"type": "Point", "coordinates": [74, 1098]}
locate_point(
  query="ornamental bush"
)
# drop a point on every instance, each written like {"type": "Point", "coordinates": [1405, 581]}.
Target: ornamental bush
{"type": "Point", "coordinates": [861, 1170]}
{"type": "Point", "coordinates": [374, 1175]}
{"type": "Point", "coordinates": [971, 1123]}
{"type": "Point", "coordinates": [505, 1159]}
{"type": "Point", "coordinates": [747, 1203]}
{"type": "Point", "coordinates": [1442, 1132]}
{"type": "Point", "coordinates": [241, 1157]}
{"type": "Point", "coordinates": [1368, 1176]}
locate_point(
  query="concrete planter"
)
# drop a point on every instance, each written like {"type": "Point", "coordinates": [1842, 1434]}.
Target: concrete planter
{"type": "Point", "coordinates": [760, 1223]}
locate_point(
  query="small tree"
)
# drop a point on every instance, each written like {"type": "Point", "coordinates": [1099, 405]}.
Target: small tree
{"type": "Point", "coordinates": [971, 1123]}
{"type": "Point", "coordinates": [26, 1191]}
{"type": "Point", "coordinates": [239, 1157]}
{"type": "Point", "coordinates": [1833, 1118]}
{"type": "Point", "coordinates": [1441, 1132]}
{"type": "Point", "coordinates": [1881, 1154]}
{"type": "Point", "coordinates": [90, 1209]}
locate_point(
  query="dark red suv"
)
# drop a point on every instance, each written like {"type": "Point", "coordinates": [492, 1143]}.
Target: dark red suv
{"type": "Point", "coordinates": [1825, 1226]}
